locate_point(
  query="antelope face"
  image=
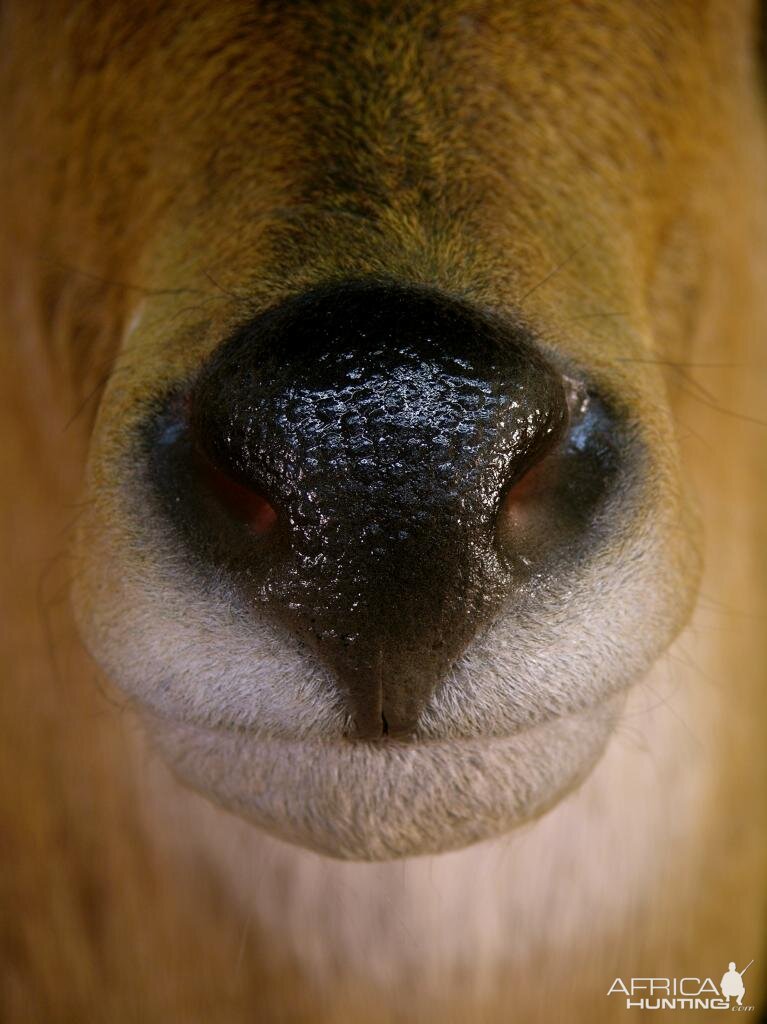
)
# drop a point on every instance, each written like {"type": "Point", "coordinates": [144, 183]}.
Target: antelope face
{"type": "Point", "coordinates": [385, 513]}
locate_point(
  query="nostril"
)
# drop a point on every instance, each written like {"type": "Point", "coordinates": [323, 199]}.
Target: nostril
{"type": "Point", "coordinates": [244, 503]}
{"type": "Point", "coordinates": [549, 509]}
{"type": "Point", "coordinates": [537, 474]}
{"type": "Point", "coordinates": [527, 487]}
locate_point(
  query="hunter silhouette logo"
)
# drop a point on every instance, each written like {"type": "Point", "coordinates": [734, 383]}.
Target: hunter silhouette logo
{"type": "Point", "coordinates": [685, 993]}
{"type": "Point", "coordinates": [732, 983]}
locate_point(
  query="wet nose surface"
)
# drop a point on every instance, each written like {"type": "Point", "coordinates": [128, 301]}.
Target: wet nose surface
{"type": "Point", "coordinates": [363, 437]}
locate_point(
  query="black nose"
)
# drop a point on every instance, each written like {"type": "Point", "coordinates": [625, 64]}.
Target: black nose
{"type": "Point", "coordinates": [361, 439]}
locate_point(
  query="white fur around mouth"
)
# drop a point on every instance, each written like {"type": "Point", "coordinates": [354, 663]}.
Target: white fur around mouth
{"type": "Point", "coordinates": [376, 801]}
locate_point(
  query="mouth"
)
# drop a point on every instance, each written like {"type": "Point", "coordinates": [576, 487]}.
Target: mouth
{"type": "Point", "coordinates": [389, 798]}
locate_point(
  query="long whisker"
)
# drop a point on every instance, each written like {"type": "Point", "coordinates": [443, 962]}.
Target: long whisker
{"type": "Point", "coordinates": [553, 272]}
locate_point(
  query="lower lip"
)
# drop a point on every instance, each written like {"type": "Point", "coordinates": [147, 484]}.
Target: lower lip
{"type": "Point", "coordinates": [378, 801]}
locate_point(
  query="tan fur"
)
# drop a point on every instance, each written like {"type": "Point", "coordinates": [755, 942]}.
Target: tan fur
{"type": "Point", "coordinates": [600, 165]}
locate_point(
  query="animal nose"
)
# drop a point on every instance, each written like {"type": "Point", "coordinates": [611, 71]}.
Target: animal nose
{"type": "Point", "coordinates": [361, 438]}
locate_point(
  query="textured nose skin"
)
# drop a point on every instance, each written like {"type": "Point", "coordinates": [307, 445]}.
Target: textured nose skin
{"type": "Point", "coordinates": [382, 424]}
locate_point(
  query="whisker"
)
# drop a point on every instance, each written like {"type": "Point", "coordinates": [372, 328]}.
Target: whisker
{"type": "Point", "coordinates": [595, 316]}
{"type": "Point", "coordinates": [715, 407]}
{"type": "Point", "coordinates": [224, 291]}
{"type": "Point", "coordinates": [130, 286]}
{"type": "Point", "coordinates": [690, 366]}
{"type": "Point", "coordinates": [553, 272]}
{"type": "Point", "coordinates": [91, 394]}
{"type": "Point", "coordinates": [695, 389]}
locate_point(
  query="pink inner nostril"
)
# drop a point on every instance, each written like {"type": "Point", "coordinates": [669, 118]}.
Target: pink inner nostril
{"type": "Point", "coordinates": [528, 487]}
{"type": "Point", "coordinates": [524, 514]}
{"type": "Point", "coordinates": [241, 502]}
